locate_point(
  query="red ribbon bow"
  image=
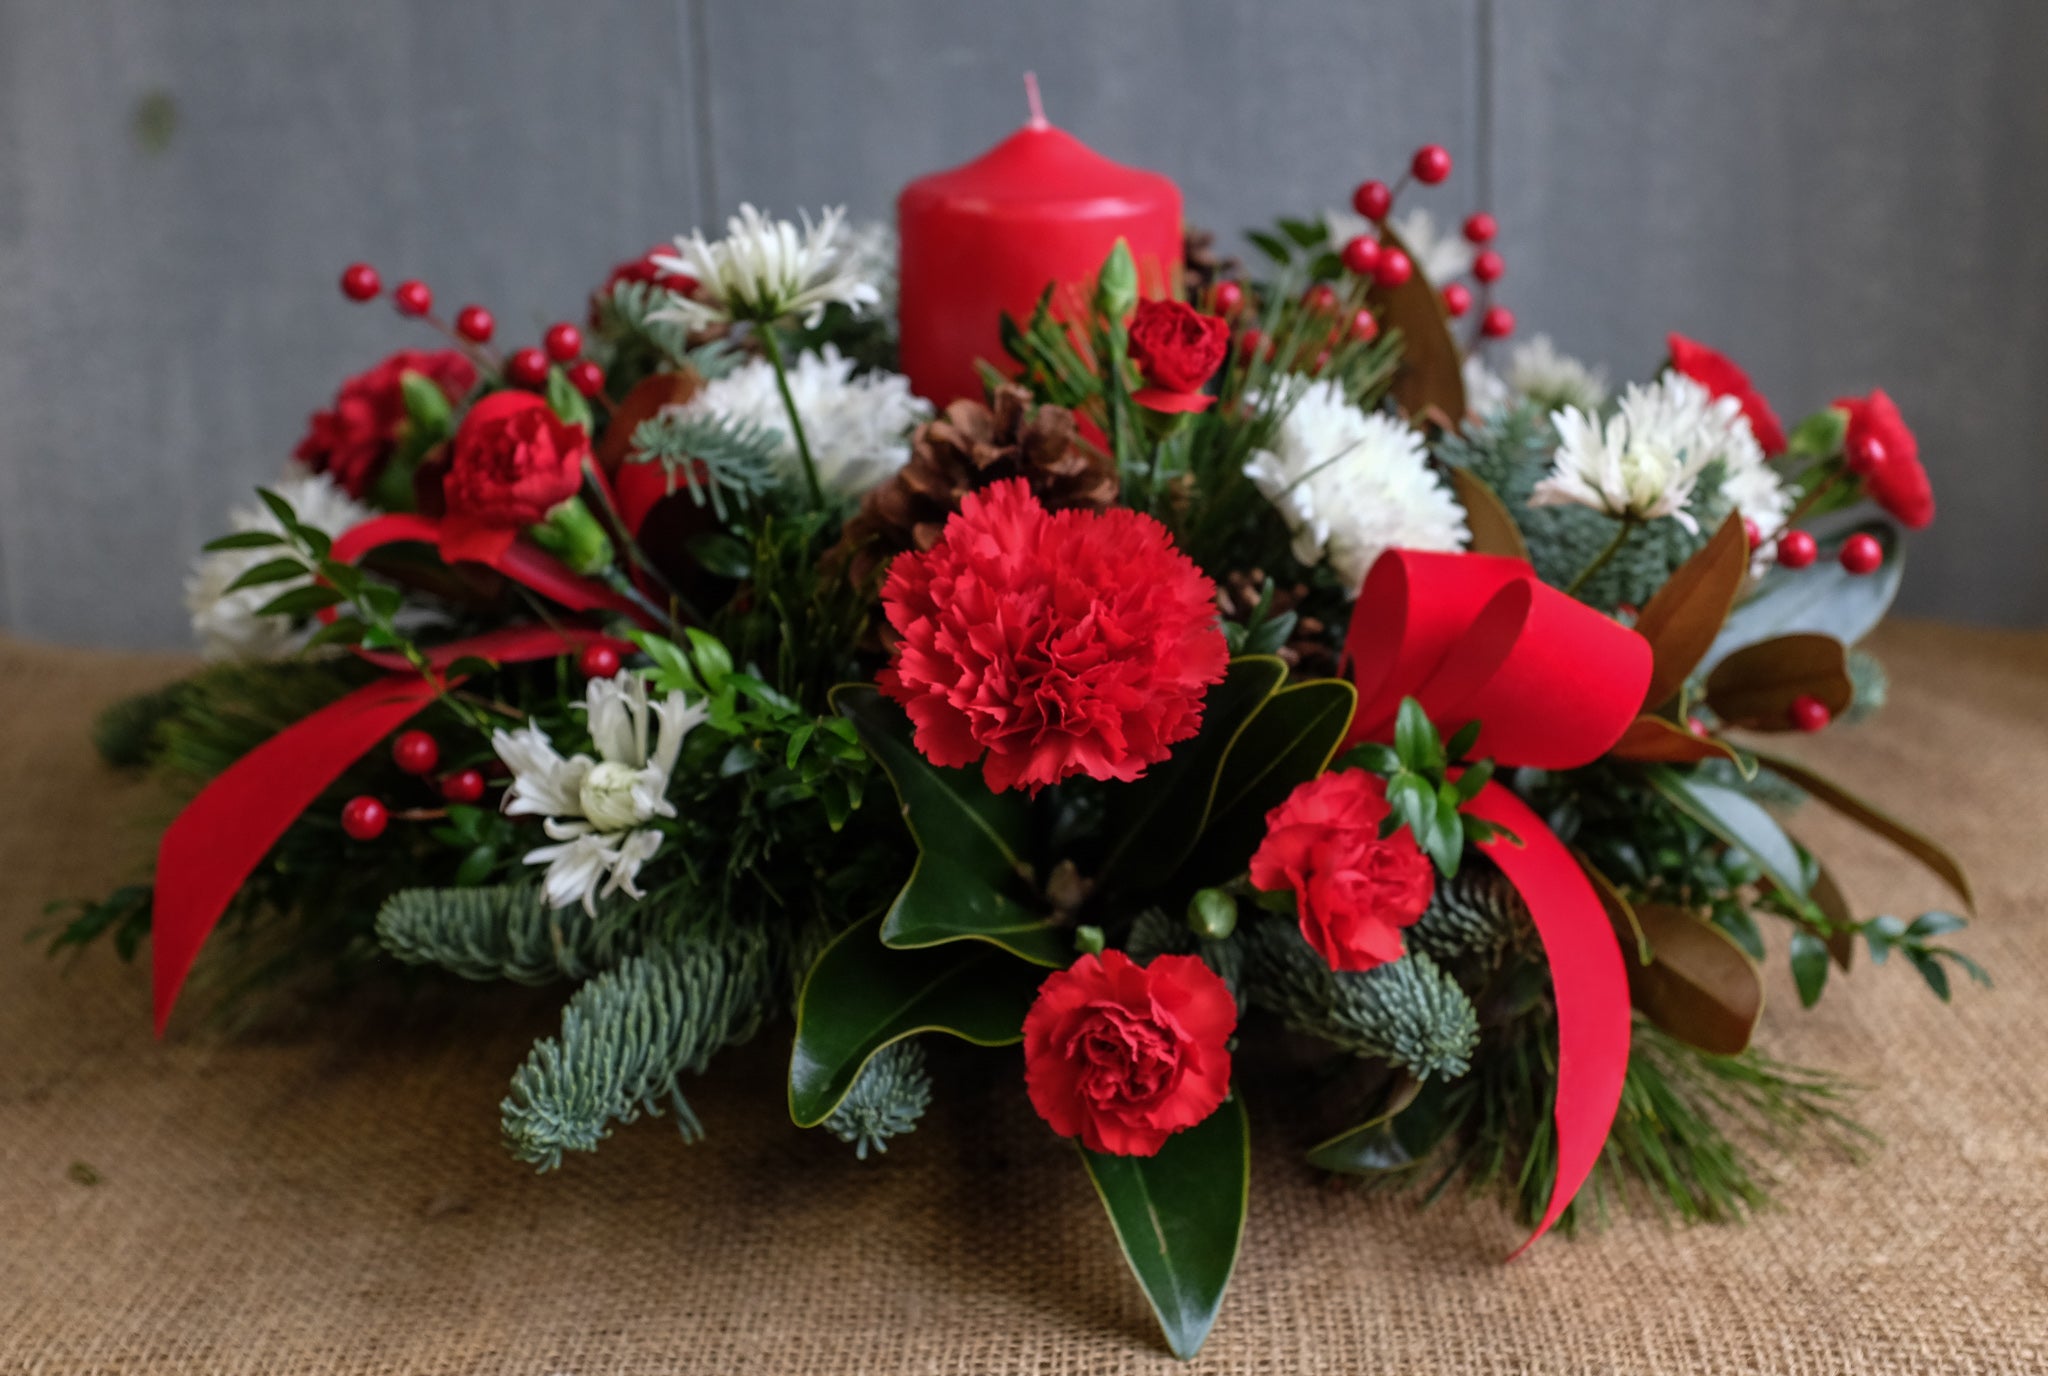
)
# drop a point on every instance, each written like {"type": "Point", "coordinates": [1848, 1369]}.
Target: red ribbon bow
{"type": "Point", "coordinates": [213, 846]}
{"type": "Point", "coordinates": [1553, 684]}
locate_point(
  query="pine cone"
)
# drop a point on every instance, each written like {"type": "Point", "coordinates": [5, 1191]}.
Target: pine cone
{"type": "Point", "coordinates": [1309, 652]}
{"type": "Point", "coordinates": [1202, 267]}
{"type": "Point", "coordinates": [970, 446]}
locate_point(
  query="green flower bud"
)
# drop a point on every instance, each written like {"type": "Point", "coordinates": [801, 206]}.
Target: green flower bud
{"type": "Point", "coordinates": [574, 536]}
{"type": "Point", "coordinates": [1212, 914]}
{"type": "Point", "coordinates": [1116, 289]}
{"type": "Point", "coordinates": [1088, 940]}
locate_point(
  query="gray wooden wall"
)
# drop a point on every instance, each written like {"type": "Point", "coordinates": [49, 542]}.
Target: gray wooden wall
{"type": "Point", "coordinates": [1842, 192]}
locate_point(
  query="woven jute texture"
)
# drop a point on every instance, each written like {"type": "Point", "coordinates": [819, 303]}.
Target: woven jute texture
{"type": "Point", "coordinates": [334, 1200]}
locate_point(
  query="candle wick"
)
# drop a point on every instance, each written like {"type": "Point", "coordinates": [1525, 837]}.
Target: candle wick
{"type": "Point", "coordinates": [1031, 98]}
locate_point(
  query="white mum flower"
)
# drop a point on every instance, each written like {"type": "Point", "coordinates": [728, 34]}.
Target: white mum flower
{"type": "Point", "coordinates": [1645, 461]}
{"type": "Point", "coordinates": [871, 252]}
{"type": "Point", "coordinates": [1352, 485]}
{"type": "Point", "coordinates": [598, 810]}
{"type": "Point", "coordinates": [858, 427]}
{"type": "Point", "coordinates": [1485, 390]}
{"type": "Point", "coordinates": [1541, 373]}
{"type": "Point", "coordinates": [1444, 255]}
{"type": "Point", "coordinates": [226, 623]}
{"type": "Point", "coordinates": [764, 270]}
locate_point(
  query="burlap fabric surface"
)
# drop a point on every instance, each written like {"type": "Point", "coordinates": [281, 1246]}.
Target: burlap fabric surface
{"type": "Point", "coordinates": [334, 1200]}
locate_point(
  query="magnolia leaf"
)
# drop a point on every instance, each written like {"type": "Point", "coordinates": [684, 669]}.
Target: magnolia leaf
{"type": "Point", "coordinates": [1179, 1217]}
{"type": "Point", "coordinates": [1432, 371]}
{"type": "Point", "coordinates": [1154, 823]}
{"type": "Point", "coordinates": [972, 860]}
{"type": "Point", "coordinates": [1827, 895]}
{"type": "Point", "coordinates": [1736, 819]}
{"type": "Point", "coordinates": [1698, 985]}
{"type": "Point", "coordinates": [1620, 912]}
{"type": "Point", "coordinates": [1493, 530]}
{"type": "Point", "coordinates": [1411, 1125]}
{"type": "Point", "coordinates": [1286, 743]}
{"type": "Point", "coordinates": [647, 400]}
{"type": "Point", "coordinates": [1655, 740]}
{"type": "Point", "coordinates": [1756, 686]}
{"type": "Point", "coordinates": [1922, 848]}
{"type": "Point", "coordinates": [1825, 599]}
{"type": "Point", "coordinates": [860, 996]}
{"type": "Point", "coordinates": [1683, 617]}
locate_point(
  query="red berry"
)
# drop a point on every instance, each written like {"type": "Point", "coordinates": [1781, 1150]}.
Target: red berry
{"type": "Point", "coordinates": [598, 661]}
{"type": "Point", "coordinates": [527, 368]}
{"type": "Point", "coordinates": [1361, 254]}
{"type": "Point", "coordinates": [1432, 163]}
{"type": "Point", "coordinates": [1480, 228]}
{"type": "Point", "coordinates": [1248, 343]}
{"type": "Point", "coordinates": [1227, 297]}
{"type": "Point", "coordinates": [463, 786]}
{"type": "Point", "coordinates": [1372, 200]}
{"type": "Point", "coordinates": [416, 752]}
{"type": "Point", "coordinates": [1861, 553]}
{"type": "Point", "coordinates": [1497, 323]}
{"type": "Point", "coordinates": [1488, 266]}
{"type": "Point", "coordinates": [587, 377]}
{"type": "Point", "coordinates": [1364, 328]}
{"type": "Point", "coordinates": [1810, 713]}
{"type": "Point", "coordinates": [475, 324]}
{"type": "Point", "coordinates": [1796, 549]}
{"type": "Point", "coordinates": [1696, 726]}
{"type": "Point", "coordinates": [1395, 267]}
{"type": "Point", "coordinates": [1457, 298]}
{"type": "Point", "coordinates": [364, 818]}
{"type": "Point", "coordinates": [1865, 455]}
{"type": "Point", "coordinates": [564, 341]}
{"type": "Point", "coordinates": [1752, 532]}
{"type": "Point", "coordinates": [1321, 298]}
{"type": "Point", "coordinates": [360, 282]}
{"type": "Point", "coordinates": [412, 298]}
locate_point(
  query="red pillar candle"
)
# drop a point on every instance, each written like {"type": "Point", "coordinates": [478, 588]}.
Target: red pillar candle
{"type": "Point", "coordinates": [987, 237]}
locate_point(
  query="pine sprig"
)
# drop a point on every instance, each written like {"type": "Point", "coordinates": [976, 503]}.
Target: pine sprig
{"type": "Point", "coordinates": [1409, 1012]}
{"type": "Point", "coordinates": [630, 317]}
{"type": "Point", "coordinates": [506, 932]}
{"type": "Point", "coordinates": [714, 458]}
{"type": "Point", "coordinates": [891, 1094]}
{"type": "Point", "coordinates": [629, 1035]}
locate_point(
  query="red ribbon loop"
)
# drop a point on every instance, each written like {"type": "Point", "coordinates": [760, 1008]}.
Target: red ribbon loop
{"type": "Point", "coordinates": [215, 844]}
{"type": "Point", "coordinates": [1553, 684]}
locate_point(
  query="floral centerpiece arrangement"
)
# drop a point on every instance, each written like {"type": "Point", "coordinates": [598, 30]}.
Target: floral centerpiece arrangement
{"type": "Point", "coordinates": [1277, 690]}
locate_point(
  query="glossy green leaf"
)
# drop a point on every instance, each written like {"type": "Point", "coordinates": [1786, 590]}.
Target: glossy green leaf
{"type": "Point", "coordinates": [1179, 1217]}
{"type": "Point", "coordinates": [1736, 819]}
{"type": "Point", "coordinates": [1824, 599]}
{"type": "Point", "coordinates": [1155, 822]}
{"type": "Point", "coordinates": [860, 996]}
{"type": "Point", "coordinates": [1923, 848]}
{"type": "Point", "coordinates": [1408, 1127]}
{"type": "Point", "coordinates": [1809, 966]}
{"type": "Point", "coordinates": [973, 874]}
{"type": "Point", "coordinates": [1285, 744]}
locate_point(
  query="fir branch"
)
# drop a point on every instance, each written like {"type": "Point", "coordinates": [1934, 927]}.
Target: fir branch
{"type": "Point", "coordinates": [1477, 913]}
{"type": "Point", "coordinates": [1408, 1012]}
{"type": "Point", "coordinates": [713, 457]}
{"type": "Point", "coordinates": [629, 1034]}
{"type": "Point", "coordinates": [127, 733]}
{"type": "Point", "coordinates": [504, 932]}
{"type": "Point", "coordinates": [629, 318]}
{"type": "Point", "coordinates": [891, 1094]}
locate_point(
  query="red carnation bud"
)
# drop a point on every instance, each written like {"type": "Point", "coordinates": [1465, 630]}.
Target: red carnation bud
{"type": "Point", "coordinates": [1177, 349]}
{"type": "Point", "coordinates": [1897, 483]}
{"type": "Point", "coordinates": [1354, 890]}
{"type": "Point", "coordinates": [1123, 1055]}
{"type": "Point", "coordinates": [1718, 373]}
{"type": "Point", "coordinates": [351, 441]}
{"type": "Point", "coordinates": [512, 461]}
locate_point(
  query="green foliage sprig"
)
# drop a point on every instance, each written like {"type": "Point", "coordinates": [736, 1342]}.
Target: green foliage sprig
{"type": "Point", "coordinates": [1429, 781]}
{"type": "Point", "coordinates": [716, 459]}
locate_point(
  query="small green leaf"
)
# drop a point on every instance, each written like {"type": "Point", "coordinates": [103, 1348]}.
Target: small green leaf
{"type": "Point", "coordinates": [269, 571]}
{"type": "Point", "coordinates": [1304, 233]}
{"type": "Point", "coordinates": [1809, 966]}
{"type": "Point", "coordinates": [245, 539]}
{"type": "Point", "coordinates": [1416, 739]}
{"type": "Point", "coordinates": [280, 508]}
{"type": "Point", "coordinates": [1735, 920]}
{"type": "Point", "coordinates": [1370, 756]}
{"type": "Point", "coordinates": [1271, 245]}
{"type": "Point", "coordinates": [565, 400]}
{"type": "Point", "coordinates": [1475, 777]}
{"type": "Point", "coordinates": [426, 405]}
{"type": "Point", "coordinates": [1736, 819]}
{"type": "Point", "coordinates": [1461, 744]}
{"type": "Point", "coordinates": [722, 554]}
{"type": "Point", "coordinates": [1179, 1217]}
{"type": "Point", "coordinates": [860, 996]}
{"type": "Point", "coordinates": [1819, 435]}
{"type": "Point", "coordinates": [1935, 923]}
{"type": "Point", "coordinates": [300, 601]}
{"type": "Point", "coordinates": [1930, 970]}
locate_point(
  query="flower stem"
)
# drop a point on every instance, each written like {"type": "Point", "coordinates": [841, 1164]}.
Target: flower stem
{"type": "Point", "coordinates": [773, 348]}
{"type": "Point", "coordinates": [1601, 560]}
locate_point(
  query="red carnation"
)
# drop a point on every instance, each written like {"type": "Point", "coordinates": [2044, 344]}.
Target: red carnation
{"type": "Point", "coordinates": [1353, 889]}
{"type": "Point", "coordinates": [1898, 483]}
{"type": "Point", "coordinates": [1060, 643]}
{"type": "Point", "coordinates": [512, 461]}
{"type": "Point", "coordinates": [1178, 349]}
{"type": "Point", "coordinates": [1124, 1055]}
{"type": "Point", "coordinates": [1716, 372]}
{"type": "Point", "coordinates": [351, 441]}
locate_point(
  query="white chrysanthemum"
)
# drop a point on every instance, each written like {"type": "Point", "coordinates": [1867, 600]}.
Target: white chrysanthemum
{"type": "Point", "coordinates": [765, 270]}
{"type": "Point", "coordinates": [858, 427]}
{"type": "Point", "coordinates": [226, 623]}
{"type": "Point", "coordinates": [1485, 390]}
{"type": "Point", "coordinates": [598, 810]}
{"type": "Point", "coordinates": [871, 252]}
{"type": "Point", "coordinates": [1645, 461]}
{"type": "Point", "coordinates": [1352, 485]}
{"type": "Point", "coordinates": [1543, 374]}
{"type": "Point", "coordinates": [1443, 255]}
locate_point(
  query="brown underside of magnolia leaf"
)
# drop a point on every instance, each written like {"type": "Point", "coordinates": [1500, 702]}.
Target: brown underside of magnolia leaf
{"type": "Point", "coordinates": [1685, 615]}
{"type": "Point", "coordinates": [1493, 530]}
{"type": "Point", "coordinates": [1699, 985]}
{"type": "Point", "coordinates": [1756, 686]}
{"type": "Point", "coordinates": [1654, 740]}
{"type": "Point", "coordinates": [1432, 373]}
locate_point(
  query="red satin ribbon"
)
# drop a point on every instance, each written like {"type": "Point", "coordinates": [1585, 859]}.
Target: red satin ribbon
{"type": "Point", "coordinates": [209, 852]}
{"type": "Point", "coordinates": [1553, 684]}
